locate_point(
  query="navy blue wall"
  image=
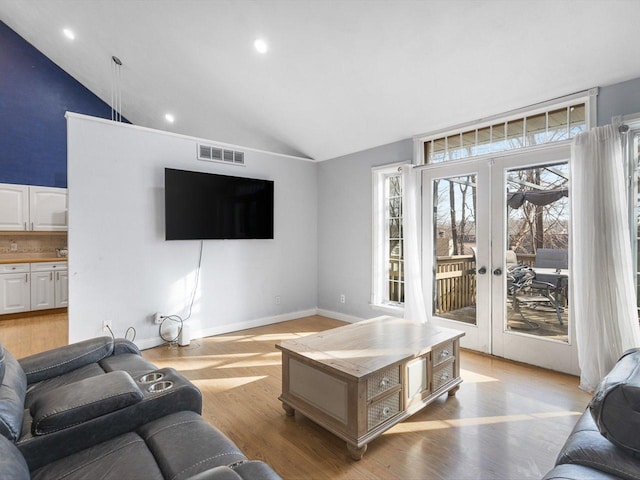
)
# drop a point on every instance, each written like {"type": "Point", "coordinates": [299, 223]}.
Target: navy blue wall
{"type": "Point", "coordinates": [34, 95]}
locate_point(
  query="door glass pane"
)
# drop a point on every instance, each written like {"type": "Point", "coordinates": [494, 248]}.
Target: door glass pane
{"type": "Point", "coordinates": [536, 261]}
{"type": "Point", "coordinates": [454, 220]}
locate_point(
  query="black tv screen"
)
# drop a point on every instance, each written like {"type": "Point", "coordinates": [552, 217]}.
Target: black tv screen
{"type": "Point", "coordinates": [200, 206]}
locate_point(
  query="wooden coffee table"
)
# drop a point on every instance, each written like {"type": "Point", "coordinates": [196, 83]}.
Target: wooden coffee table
{"type": "Point", "coordinates": [359, 380]}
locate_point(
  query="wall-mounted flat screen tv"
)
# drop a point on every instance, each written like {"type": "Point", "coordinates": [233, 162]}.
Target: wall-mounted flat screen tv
{"type": "Point", "coordinates": [201, 206]}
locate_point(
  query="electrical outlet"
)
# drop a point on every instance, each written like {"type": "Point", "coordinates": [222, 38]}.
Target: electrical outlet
{"type": "Point", "coordinates": [106, 325]}
{"type": "Point", "coordinates": [277, 299]}
{"type": "Point", "coordinates": [343, 299]}
{"type": "Point", "coordinates": [157, 318]}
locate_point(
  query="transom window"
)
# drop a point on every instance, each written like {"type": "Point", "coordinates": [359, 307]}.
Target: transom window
{"type": "Point", "coordinates": [537, 128]}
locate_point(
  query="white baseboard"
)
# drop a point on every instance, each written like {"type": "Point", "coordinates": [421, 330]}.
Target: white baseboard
{"type": "Point", "coordinates": [148, 343]}
{"type": "Point", "coordinates": [231, 327]}
{"type": "Point", "coordinates": [338, 316]}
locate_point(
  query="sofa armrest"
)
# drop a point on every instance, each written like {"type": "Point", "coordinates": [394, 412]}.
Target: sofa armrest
{"type": "Point", "coordinates": [217, 473]}
{"type": "Point", "coordinates": [84, 400]}
{"type": "Point", "coordinates": [256, 470]}
{"type": "Point", "coordinates": [122, 345]}
{"type": "Point", "coordinates": [58, 361]}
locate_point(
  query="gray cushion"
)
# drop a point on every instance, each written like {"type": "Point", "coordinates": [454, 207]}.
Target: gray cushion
{"type": "Point", "coordinates": [51, 384]}
{"type": "Point", "coordinates": [124, 457]}
{"type": "Point", "coordinates": [59, 361]}
{"type": "Point", "coordinates": [171, 440]}
{"type": "Point", "coordinates": [12, 393]}
{"type": "Point", "coordinates": [82, 401]}
{"type": "Point", "coordinates": [587, 447]}
{"type": "Point", "coordinates": [577, 472]}
{"type": "Point", "coordinates": [615, 406]}
{"type": "Point", "coordinates": [12, 464]}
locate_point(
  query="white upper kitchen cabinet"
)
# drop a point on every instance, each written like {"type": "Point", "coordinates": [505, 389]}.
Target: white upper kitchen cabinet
{"type": "Point", "coordinates": [27, 208]}
{"type": "Point", "coordinates": [14, 207]}
{"type": "Point", "coordinates": [48, 208]}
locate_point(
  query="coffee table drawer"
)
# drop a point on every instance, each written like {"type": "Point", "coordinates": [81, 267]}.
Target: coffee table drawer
{"type": "Point", "coordinates": [442, 353]}
{"type": "Point", "coordinates": [382, 410]}
{"type": "Point", "coordinates": [382, 381]}
{"type": "Point", "coordinates": [442, 375]}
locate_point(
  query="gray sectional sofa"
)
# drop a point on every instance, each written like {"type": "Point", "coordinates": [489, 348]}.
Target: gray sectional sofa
{"type": "Point", "coordinates": [605, 443]}
{"type": "Point", "coordinates": [97, 409]}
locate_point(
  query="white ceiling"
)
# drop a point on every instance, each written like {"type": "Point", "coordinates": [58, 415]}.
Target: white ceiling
{"type": "Point", "coordinates": [340, 76]}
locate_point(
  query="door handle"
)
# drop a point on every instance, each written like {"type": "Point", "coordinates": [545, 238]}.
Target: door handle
{"type": "Point", "coordinates": [497, 272]}
{"type": "Point", "coordinates": [482, 270]}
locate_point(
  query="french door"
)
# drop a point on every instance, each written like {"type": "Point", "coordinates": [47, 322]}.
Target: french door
{"type": "Point", "coordinates": [486, 224]}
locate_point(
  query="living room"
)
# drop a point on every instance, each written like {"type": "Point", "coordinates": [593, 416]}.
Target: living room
{"type": "Point", "coordinates": [319, 262]}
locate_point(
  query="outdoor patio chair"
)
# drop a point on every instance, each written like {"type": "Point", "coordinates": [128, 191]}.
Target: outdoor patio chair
{"type": "Point", "coordinates": [527, 289]}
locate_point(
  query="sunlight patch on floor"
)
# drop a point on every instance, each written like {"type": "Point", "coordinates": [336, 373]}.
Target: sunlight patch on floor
{"type": "Point", "coordinates": [227, 360]}
{"type": "Point", "coordinates": [472, 377]}
{"type": "Point", "coordinates": [407, 427]}
{"type": "Point", "coordinates": [218, 385]}
{"type": "Point", "coordinates": [274, 337]}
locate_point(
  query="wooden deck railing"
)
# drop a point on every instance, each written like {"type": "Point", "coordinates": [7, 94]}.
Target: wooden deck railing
{"type": "Point", "coordinates": [456, 281]}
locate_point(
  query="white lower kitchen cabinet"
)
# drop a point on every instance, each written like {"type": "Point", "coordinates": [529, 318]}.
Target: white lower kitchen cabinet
{"type": "Point", "coordinates": [42, 290]}
{"type": "Point", "coordinates": [62, 289]}
{"type": "Point", "coordinates": [14, 288]}
{"type": "Point", "coordinates": [49, 285]}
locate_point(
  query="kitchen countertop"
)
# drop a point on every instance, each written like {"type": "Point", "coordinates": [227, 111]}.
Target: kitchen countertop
{"type": "Point", "coordinates": [30, 258]}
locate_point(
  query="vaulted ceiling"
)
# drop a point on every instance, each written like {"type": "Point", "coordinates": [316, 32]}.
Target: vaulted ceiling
{"type": "Point", "coordinates": [340, 76]}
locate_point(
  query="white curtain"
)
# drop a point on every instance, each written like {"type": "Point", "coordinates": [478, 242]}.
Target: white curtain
{"type": "Point", "coordinates": [414, 306]}
{"type": "Point", "coordinates": [602, 274]}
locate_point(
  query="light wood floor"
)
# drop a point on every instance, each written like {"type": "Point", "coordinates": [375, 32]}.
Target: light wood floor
{"type": "Point", "coordinates": [27, 333]}
{"type": "Point", "coordinates": [507, 421]}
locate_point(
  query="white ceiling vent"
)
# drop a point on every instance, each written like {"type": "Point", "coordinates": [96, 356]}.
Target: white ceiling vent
{"type": "Point", "coordinates": [210, 153]}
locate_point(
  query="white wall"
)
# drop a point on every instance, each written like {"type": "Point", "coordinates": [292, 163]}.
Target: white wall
{"type": "Point", "coordinates": [344, 229]}
{"type": "Point", "coordinates": [121, 268]}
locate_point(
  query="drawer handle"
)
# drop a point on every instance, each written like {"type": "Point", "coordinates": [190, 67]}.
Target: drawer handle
{"type": "Point", "coordinates": [384, 382]}
{"type": "Point", "coordinates": [386, 411]}
{"type": "Point", "coordinates": [444, 354]}
{"type": "Point", "coordinates": [444, 376]}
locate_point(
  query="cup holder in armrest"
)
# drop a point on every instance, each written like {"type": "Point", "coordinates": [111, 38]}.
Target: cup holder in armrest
{"type": "Point", "coordinates": [160, 386]}
{"type": "Point", "coordinates": [151, 377]}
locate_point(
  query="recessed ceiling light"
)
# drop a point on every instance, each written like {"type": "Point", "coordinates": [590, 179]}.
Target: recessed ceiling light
{"type": "Point", "coordinates": [261, 45]}
{"type": "Point", "coordinates": [69, 34]}
{"type": "Point", "coordinates": [169, 118]}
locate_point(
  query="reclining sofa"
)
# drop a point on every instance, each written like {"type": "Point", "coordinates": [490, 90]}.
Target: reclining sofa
{"type": "Point", "coordinates": [605, 443]}
{"type": "Point", "coordinates": [97, 409]}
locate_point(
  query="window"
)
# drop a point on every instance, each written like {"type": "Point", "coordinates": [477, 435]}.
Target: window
{"type": "Point", "coordinates": [388, 251]}
{"type": "Point", "coordinates": [631, 140]}
{"type": "Point", "coordinates": [534, 126]}
{"type": "Point", "coordinates": [394, 240]}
